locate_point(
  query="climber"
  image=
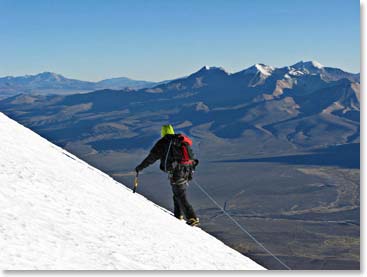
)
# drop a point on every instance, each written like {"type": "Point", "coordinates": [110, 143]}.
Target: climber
{"type": "Point", "coordinates": [177, 159]}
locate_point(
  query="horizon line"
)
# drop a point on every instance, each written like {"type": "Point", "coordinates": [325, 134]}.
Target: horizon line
{"type": "Point", "coordinates": [167, 79]}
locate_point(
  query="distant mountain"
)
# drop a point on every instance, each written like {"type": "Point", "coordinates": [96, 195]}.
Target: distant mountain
{"type": "Point", "coordinates": [52, 83]}
{"type": "Point", "coordinates": [295, 106]}
{"type": "Point", "coordinates": [46, 82]}
{"type": "Point", "coordinates": [124, 82]}
{"type": "Point", "coordinates": [326, 73]}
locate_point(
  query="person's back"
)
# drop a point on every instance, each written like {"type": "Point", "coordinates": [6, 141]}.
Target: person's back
{"type": "Point", "coordinates": [177, 159]}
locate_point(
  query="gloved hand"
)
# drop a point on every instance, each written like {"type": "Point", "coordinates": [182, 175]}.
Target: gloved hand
{"type": "Point", "coordinates": [138, 168]}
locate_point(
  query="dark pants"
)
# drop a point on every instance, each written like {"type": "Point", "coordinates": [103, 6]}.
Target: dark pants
{"type": "Point", "coordinates": [179, 183]}
{"type": "Point", "coordinates": [180, 202]}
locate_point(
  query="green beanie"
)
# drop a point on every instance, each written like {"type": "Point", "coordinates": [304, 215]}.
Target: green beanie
{"type": "Point", "coordinates": [167, 130]}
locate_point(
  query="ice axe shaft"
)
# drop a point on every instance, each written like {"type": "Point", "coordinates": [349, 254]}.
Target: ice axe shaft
{"type": "Point", "coordinates": [136, 182]}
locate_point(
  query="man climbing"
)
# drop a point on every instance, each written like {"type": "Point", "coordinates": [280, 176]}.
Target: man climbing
{"type": "Point", "coordinates": [177, 159]}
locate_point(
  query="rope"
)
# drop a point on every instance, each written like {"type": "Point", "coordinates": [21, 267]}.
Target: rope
{"type": "Point", "coordinates": [240, 226]}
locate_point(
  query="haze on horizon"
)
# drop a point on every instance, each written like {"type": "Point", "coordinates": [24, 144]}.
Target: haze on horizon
{"type": "Point", "coordinates": [159, 40]}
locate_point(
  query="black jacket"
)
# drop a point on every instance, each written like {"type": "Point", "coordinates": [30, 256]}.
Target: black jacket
{"type": "Point", "coordinates": [159, 152]}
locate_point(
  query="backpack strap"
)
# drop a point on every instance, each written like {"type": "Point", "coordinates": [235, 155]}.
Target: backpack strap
{"type": "Point", "coordinates": [165, 161]}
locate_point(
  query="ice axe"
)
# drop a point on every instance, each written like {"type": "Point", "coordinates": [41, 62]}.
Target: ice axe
{"type": "Point", "coordinates": [136, 182]}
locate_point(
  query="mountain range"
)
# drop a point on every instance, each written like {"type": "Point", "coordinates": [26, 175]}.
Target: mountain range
{"type": "Point", "coordinates": [293, 106]}
{"type": "Point", "coordinates": [52, 83]}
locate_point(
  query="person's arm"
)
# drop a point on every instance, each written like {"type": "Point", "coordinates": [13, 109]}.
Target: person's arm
{"type": "Point", "coordinates": [154, 155]}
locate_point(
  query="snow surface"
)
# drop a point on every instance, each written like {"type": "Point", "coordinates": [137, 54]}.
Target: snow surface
{"type": "Point", "coordinates": [317, 64]}
{"type": "Point", "coordinates": [58, 212]}
{"type": "Point", "coordinates": [264, 69]}
{"type": "Point", "coordinates": [214, 68]}
{"type": "Point", "coordinates": [308, 67]}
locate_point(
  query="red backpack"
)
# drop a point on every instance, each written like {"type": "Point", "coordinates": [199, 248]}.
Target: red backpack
{"type": "Point", "coordinates": [180, 152]}
{"type": "Point", "coordinates": [183, 145]}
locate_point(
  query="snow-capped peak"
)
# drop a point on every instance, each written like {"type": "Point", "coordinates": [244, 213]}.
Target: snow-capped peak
{"type": "Point", "coordinates": [309, 65]}
{"type": "Point", "coordinates": [210, 69]}
{"type": "Point", "coordinates": [264, 69]}
{"type": "Point", "coordinates": [213, 68]}
{"type": "Point", "coordinates": [50, 76]}
{"type": "Point", "coordinates": [317, 64]}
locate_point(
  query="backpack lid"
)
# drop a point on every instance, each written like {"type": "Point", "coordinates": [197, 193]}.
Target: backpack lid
{"type": "Point", "coordinates": [186, 139]}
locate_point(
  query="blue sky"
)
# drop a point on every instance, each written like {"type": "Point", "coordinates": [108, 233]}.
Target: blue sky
{"type": "Point", "coordinates": [157, 40]}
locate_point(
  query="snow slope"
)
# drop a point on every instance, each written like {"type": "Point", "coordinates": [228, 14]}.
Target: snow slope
{"type": "Point", "coordinates": [58, 212]}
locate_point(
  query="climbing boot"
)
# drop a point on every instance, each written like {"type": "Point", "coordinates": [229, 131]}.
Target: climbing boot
{"type": "Point", "coordinates": [193, 221]}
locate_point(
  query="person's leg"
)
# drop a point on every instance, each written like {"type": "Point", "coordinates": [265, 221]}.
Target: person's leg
{"type": "Point", "coordinates": [176, 208]}
{"type": "Point", "coordinates": [179, 192]}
